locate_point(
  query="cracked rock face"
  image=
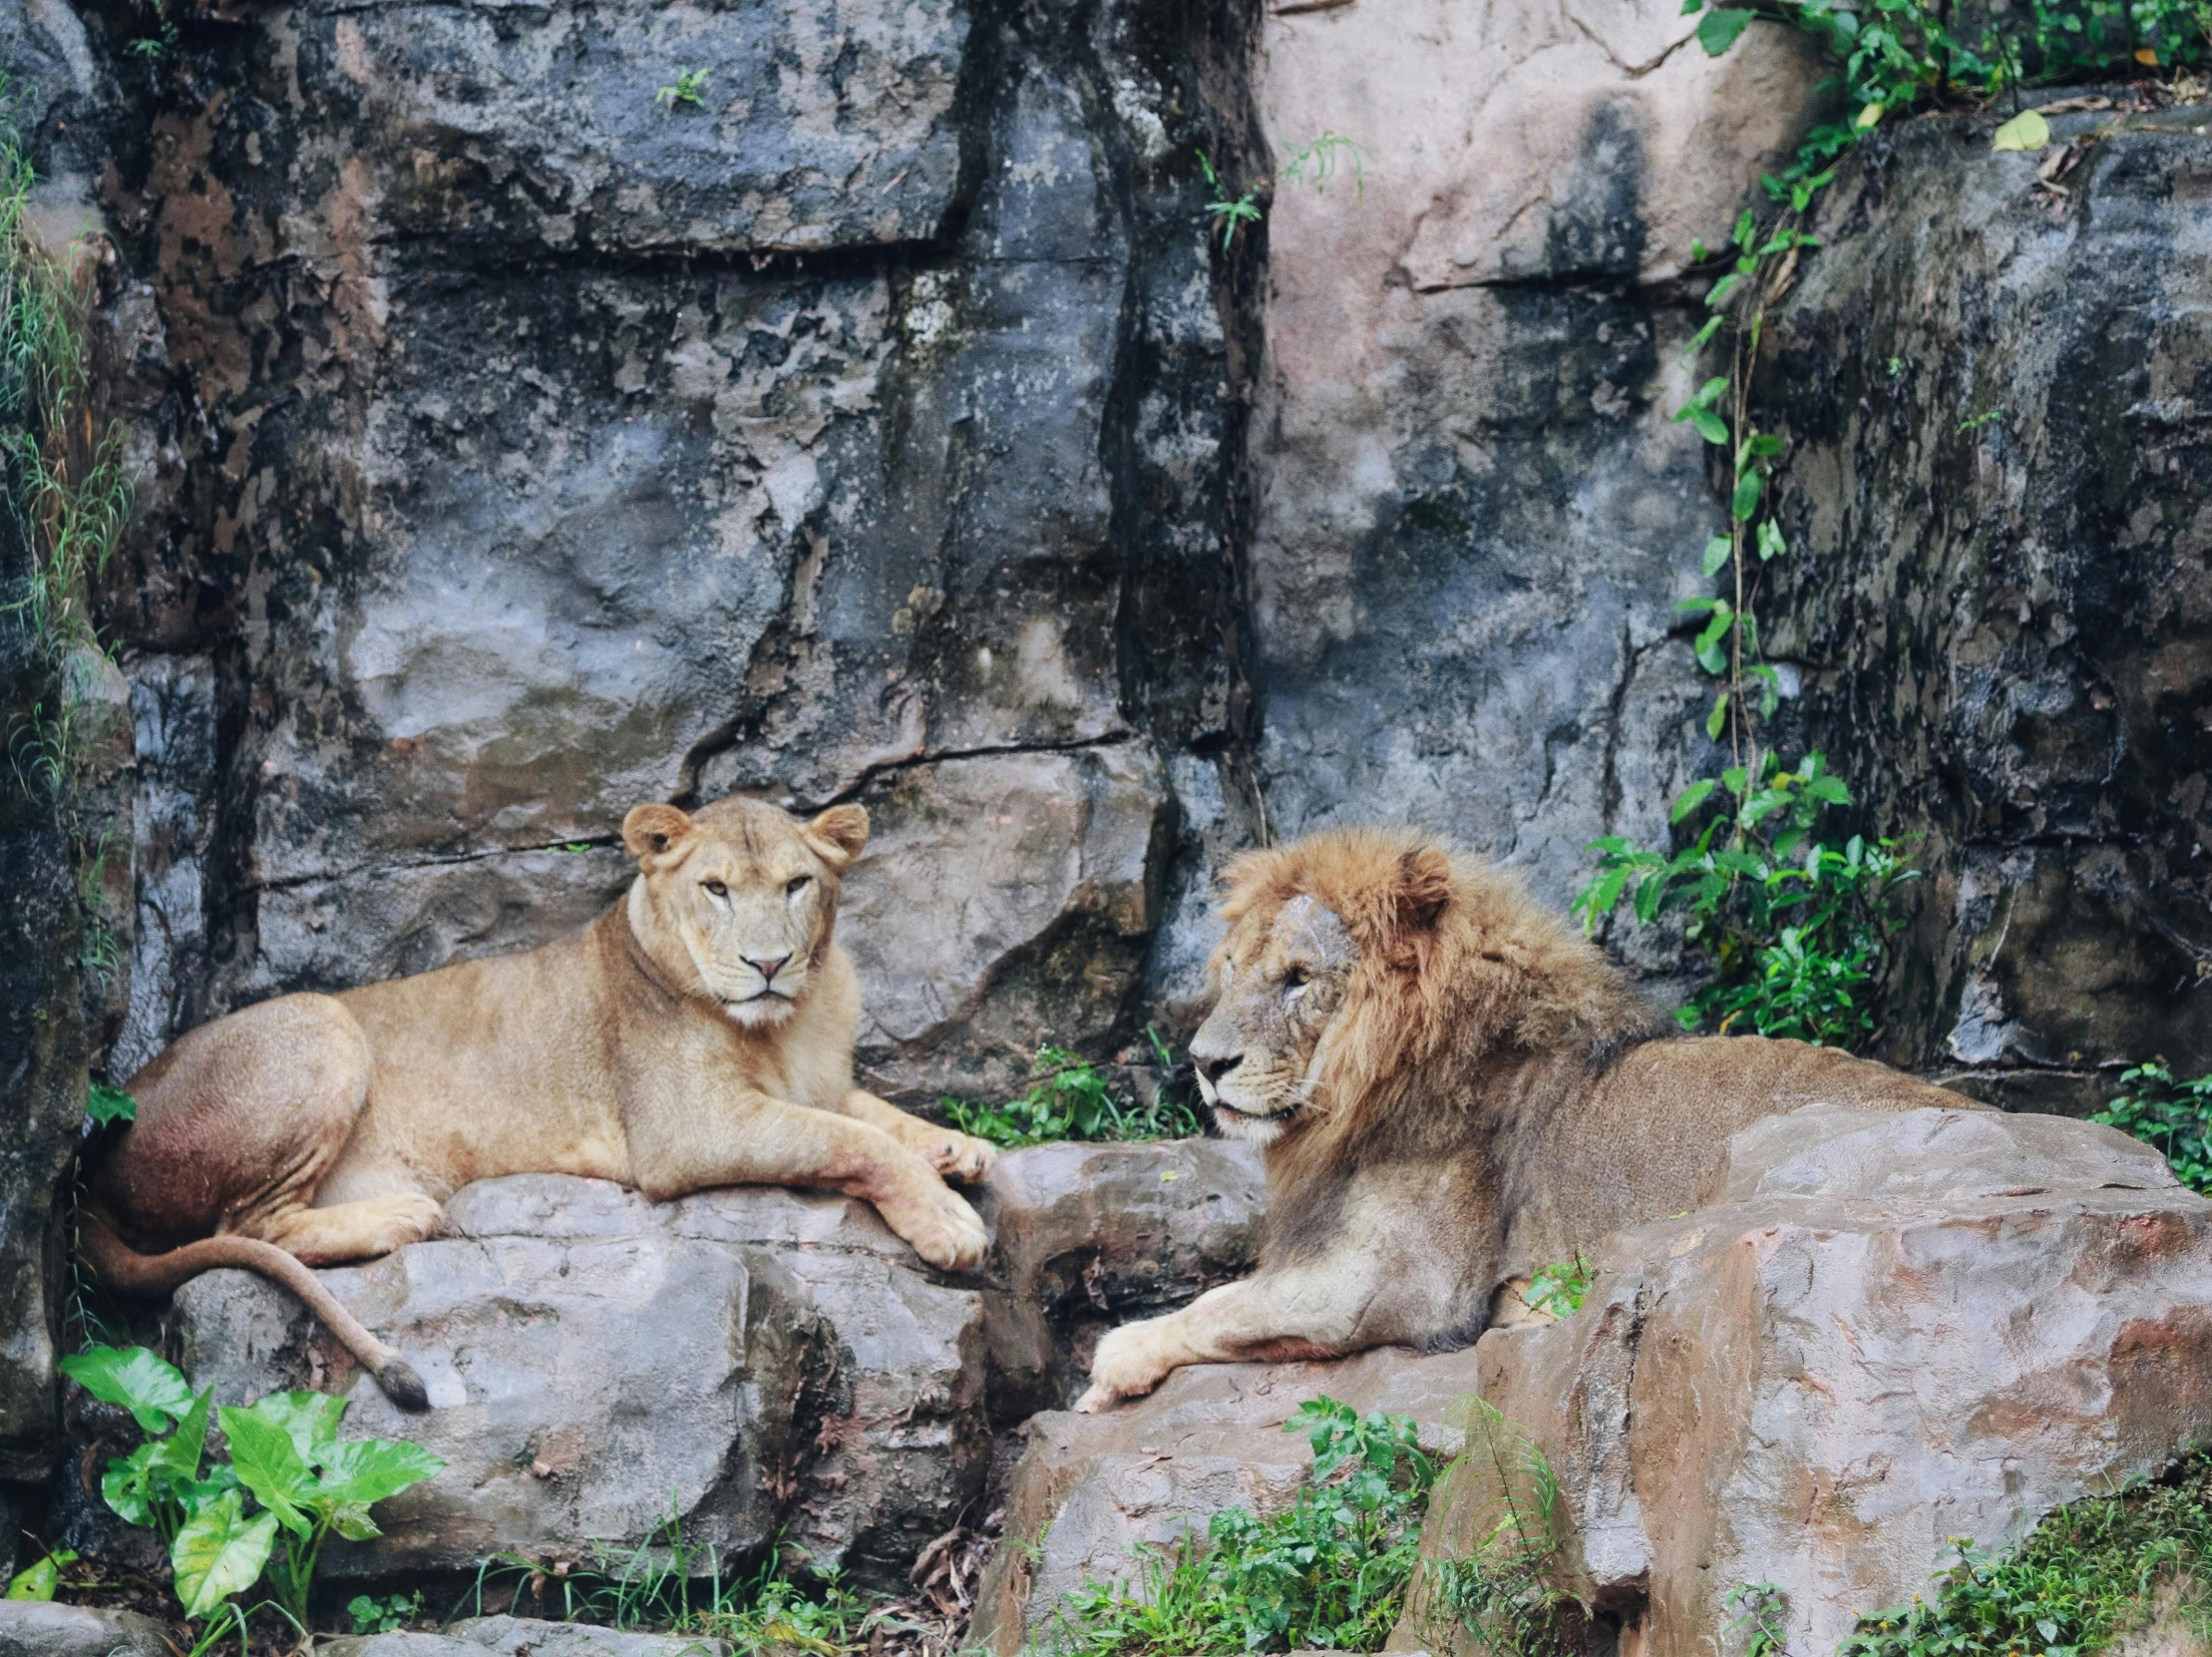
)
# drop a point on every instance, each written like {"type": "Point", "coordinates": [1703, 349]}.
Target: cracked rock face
{"type": "Point", "coordinates": [1886, 1332]}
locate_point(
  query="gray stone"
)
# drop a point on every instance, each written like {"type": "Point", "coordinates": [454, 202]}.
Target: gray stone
{"type": "Point", "coordinates": [749, 1362]}
{"type": "Point", "coordinates": [2012, 620]}
{"type": "Point", "coordinates": [1090, 1492]}
{"type": "Point", "coordinates": [522, 1637]}
{"type": "Point", "coordinates": [31, 1628]}
{"type": "Point", "coordinates": [1085, 1237]}
{"type": "Point", "coordinates": [1890, 1331]}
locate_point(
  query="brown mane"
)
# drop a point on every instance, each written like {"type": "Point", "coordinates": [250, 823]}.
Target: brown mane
{"type": "Point", "coordinates": [1458, 966]}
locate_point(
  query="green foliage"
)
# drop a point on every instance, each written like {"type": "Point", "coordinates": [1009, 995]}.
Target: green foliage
{"type": "Point", "coordinates": [284, 1453]}
{"type": "Point", "coordinates": [104, 1104]}
{"type": "Point", "coordinates": [1330, 1572]}
{"type": "Point", "coordinates": [1502, 1590]}
{"type": "Point", "coordinates": [2090, 1572]}
{"type": "Point", "coordinates": [1560, 1288]}
{"type": "Point", "coordinates": [2174, 1118]}
{"type": "Point", "coordinates": [38, 1581]}
{"type": "Point", "coordinates": [1071, 1101]}
{"type": "Point", "coordinates": [689, 92]}
{"type": "Point", "coordinates": [371, 1615]}
{"type": "Point", "coordinates": [1797, 929]}
{"type": "Point", "coordinates": [1315, 160]}
{"type": "Point", "coordinates": [1761, 1616]}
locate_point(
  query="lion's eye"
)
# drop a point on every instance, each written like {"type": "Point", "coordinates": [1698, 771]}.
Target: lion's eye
{"type": "Point", "coordinates": [717, 888]}
{"type": "Point", "coordinates": [795, 885]}
{"type": "Point", "coordinates": [1293, 978]}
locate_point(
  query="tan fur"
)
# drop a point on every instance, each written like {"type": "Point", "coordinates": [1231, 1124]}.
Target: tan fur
{"type": "Point", "coordinates": [1455, 1090]}
{"type": "Point", "coordinates": [698, 1034]}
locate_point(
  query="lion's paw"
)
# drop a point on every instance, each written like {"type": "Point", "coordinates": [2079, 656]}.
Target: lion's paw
{"type": "Point", "coordinates": [1128, 1363]}
{"type": "Point", "coordinates": [940, 1227]}
{"type": "Point", "coordinates": [958, 1156]}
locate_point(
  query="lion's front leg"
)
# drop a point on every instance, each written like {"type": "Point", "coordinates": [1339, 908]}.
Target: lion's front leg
{"type": "Point", "coordinates": [955, 1154]}
{"type": "Point", "coordinates": [1312, 1311]}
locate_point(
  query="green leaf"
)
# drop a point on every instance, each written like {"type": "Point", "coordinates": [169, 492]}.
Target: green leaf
{"type": "Point", "coordinates": [179, 1454]}
{"type": "Point", "coordinates": [152, 1390]}
{"type": "Point", "coordinates": [1711, 657]}
{"type": "Point", "coordinates": [363, 1472]}
{"type": "Point", "coordinates": [1716, 554]}
{"type": "Point", "coordinates": [1868, 117]}
{"type": "Point", "coordinates": [127, 1485]}
{"type": "Point", "coordinates": [1720, 28]}
{"type": "Point", "coordinates": [105, 1105]}
{"type": "Point", "coordinates": [40, 1581]}
{"type": "Point", "coordinates": [1718, 718]}
{"type": "Point", "coordinates": [270, 1467]}
{"type": "Point", "coordinates": [1830, 789]}
{"type": "Point", "coordinates": [1691, 798]}
{"type": "Point", "coordinates": [220, 1552]}
{"type": "Point", "coordinates": [310, 1420]}
{"type": "Point", "coordinates": [2026, 131]}
{"type": "Point", "coordinates": [1745, 503]}
{"type": "Point", "coordinates": [1771, 544]}
{"type": "Point", "coordinates": [1719, 296]}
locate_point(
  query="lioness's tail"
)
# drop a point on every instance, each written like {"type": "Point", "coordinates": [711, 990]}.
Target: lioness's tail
{"type": "Point", "coordinates": [122, 1267]}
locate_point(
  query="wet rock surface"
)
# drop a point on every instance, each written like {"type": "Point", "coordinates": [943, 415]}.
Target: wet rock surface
{"type": "Point", "coordinates": [1995, 395]}
{"type": "Point", "coordinates": [31, 1628]}
{"type": "Point", "coordinates": [1885, 1333]}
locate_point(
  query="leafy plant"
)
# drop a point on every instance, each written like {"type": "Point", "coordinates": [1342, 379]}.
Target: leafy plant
{"type": "Point", "coordinates": [38, 1580]}
{"type": "Point", "coordinates": [2174, 1118]}
{"type": "Point", "coordinates": [1330, 1572]}
{"type": "Point", "coordinates": [1560, 1288]}
{"type": "Point", "coordinates": [1315, 160]}
{"type": "Point", "coordinates": [284, 1453]}
{"type": "Point", "coordinates": [1071, 1101]}
{"type": "Point", "coordinates": [104, 1104]}
{"type": "Point", "coordinates": [1502, 1590]}
{"type": "Point", "coordinates": [373, 1615]}
{"type": "Point", "coordinates": [688, 93]}
{"type": "Point", "coordinates": [2091, 1572]}
{"type": "Point", "coordinates": [1760, 1620]}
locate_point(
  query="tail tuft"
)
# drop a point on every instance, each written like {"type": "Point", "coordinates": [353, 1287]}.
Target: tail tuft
{"type": "Point", "coordinates": [402, 1385]}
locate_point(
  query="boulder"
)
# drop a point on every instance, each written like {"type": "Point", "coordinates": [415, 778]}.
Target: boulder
{"type": "Point", "coordinates": [1886, 1332]}
{"type": "Point", "coordinates": [36, 1629]}
{"type": "Point", "coordinates": [747, 1363]}
{"type": "Point", "coordinates": [522, 1637]}
{"type": "Point", "coordinates": [1085, 1237]}
{"type": "Point", "coordinates": [1091, 1491]}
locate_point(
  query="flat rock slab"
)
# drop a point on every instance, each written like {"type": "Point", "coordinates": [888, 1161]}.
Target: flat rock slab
{"type": "Point", "coordinates": [1091, 1491]}
{"type": "Point", "coordinates": [1890, 1331]}
{"type": "Point", "coordinates": [32, 1628]}
{"type": "Point", "coordinates": [522, 1637]}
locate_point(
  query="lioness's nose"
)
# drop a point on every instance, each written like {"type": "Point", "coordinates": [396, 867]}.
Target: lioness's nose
{"type": "Point", "coordinates": [767, 969]}
{"type": "Point", "coordinates": [1213, 1070]}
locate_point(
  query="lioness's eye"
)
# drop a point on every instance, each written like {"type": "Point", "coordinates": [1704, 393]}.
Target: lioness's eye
{"type": "Point", "coordinates": [1293, 978]}
{"type": "Point", "coordinates": [717, 888]}
{"type": "Point", "coordinates": [795, 885]}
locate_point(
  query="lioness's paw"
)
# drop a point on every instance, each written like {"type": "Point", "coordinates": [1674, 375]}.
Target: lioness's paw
{"type": "Point", "coordinates": [941, 1226]}
{"type": "Point", "coordinates": [957, 1156]}
{"type": "Point", "coordinates": [1128, 1363]}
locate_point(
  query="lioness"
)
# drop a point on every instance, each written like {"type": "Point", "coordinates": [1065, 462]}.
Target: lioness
{"type": "Point", "coordinates": [698, 1034]}
{"type": "Point", "coordinates": [1455, 1090]}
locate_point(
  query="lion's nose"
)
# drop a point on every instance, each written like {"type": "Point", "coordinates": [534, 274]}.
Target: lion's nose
{"type": "Point", "coordinates": [767, 969]}
{"type": "Point", "coordinates": [1213, 1070]}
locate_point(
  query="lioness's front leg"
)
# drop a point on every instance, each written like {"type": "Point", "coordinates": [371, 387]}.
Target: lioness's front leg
{"type": "Point", "coordinates": [1311, 1310]}
{"type": "Point", "coordinates": [757, 1140]}
{"type": "Point", "coordinates": [955, 1154]}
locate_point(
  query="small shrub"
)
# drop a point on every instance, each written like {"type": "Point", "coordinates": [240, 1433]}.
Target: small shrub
{"type": "Point", "coordinates": [372, 1616]}
{"type": "Point", "coordinates": [1330, 1572]}
{"type": "Point", "coordinates": [1560, 1288]}
{"type": "Point", "coordinates": [2174, 1118]}
{"type": "Point", "coordinates": [1071, 1101]}
{"type": "Point", "coordinates": [1502, 1591]}
{"type": "Point", "coordinates": [1761, 1617]}
{"type": "Point", "coordinates": [2092, 1571]}
{"type": "Point", "coordinates": [688, 93]}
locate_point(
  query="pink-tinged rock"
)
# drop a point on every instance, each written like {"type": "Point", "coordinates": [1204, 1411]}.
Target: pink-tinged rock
{"type": "Point", "coordinates": [1887, 1332]}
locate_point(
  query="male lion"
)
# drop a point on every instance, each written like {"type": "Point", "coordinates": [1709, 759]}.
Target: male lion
{"type": "Point", "coordinates": [698, 1034]}
{"type": "Point", "coordinates": [1454, 1089]}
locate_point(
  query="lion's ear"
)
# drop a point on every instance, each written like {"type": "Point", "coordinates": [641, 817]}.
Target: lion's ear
{"type": "Point", "coordinates": [650, 830]}
{"type": "Point", "coordinates": [839, 834]}
{"type": "Point", "coordinates": [1424, 886]}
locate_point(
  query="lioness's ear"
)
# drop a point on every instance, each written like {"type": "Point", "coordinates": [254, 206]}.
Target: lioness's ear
{"type": "Point", "coordinates": [650, 830]}
{"type": "Point", "coordinates": [839, 834]}
{"type": "Point", "coordinates": [1424, 886]}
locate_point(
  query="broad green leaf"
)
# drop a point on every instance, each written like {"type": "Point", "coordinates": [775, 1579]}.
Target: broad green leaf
{"type": "Point", "coordinates": [1719, 296]}
{"type": "Point", "coordinates": [1771, 544]}
{"type": "Point", "coordinates": [309, 1419]}
{"type": "Point", "coordinates": [1691, 799]}
{"type": "Point", "coordinates": [366, 1470]}
{"type": "Point", "coordinates": [179, 1454]}
{"type": "Point", "coordinates": [270, 1467]}
{"type": "Point", "coordinates": [1709, 653]}
{"type": "Point", "coordinates": [2026, 131]}
{"type": "Point", "coordinates": [1700, 605]}
{"type": "Point", "coordinates": [220, 1552]}
{"type": "Point", "coordinates": [1830, 789]}
{"type": "Point", "coordinates": [1745, 503]}
{"type": "Point", "coordinates": [1718, 30]}
{"type": "Point", "coordinates": [1718, 718]}
{"type": "Point", "coordinates": [1716, 552]}
{"type": "Point", "coordinates": [128, 1484]}
{"type": "Point", "coordinates": [152, 1390]}
{"type": "Point", "coordinates": [110, 1104]}
{"type": "Point", "coordinates": [40, 1581]}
